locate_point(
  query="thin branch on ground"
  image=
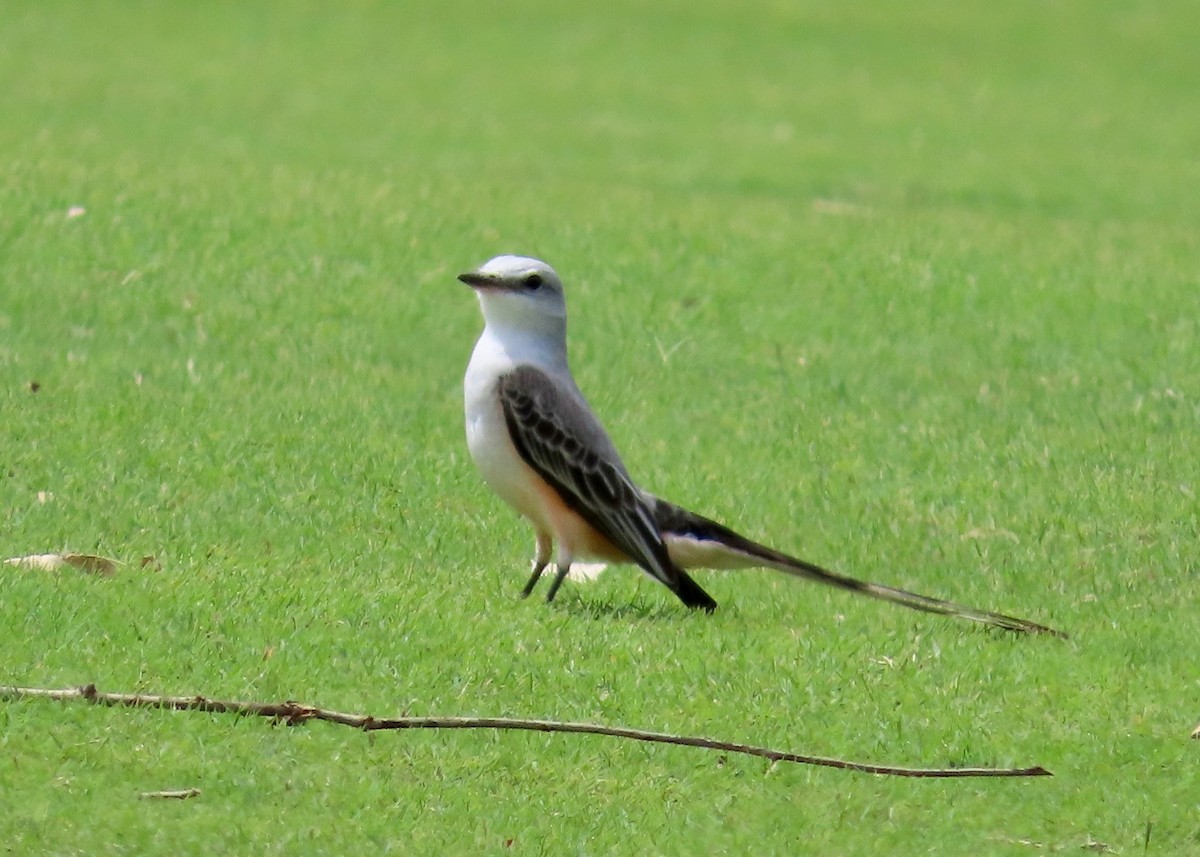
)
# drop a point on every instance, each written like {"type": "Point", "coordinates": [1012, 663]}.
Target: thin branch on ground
{"type": "Point", "coordinates": [295, 713]}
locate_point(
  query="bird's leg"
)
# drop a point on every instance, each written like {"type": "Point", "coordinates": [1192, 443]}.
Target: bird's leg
{"type": "Point", "coordinates": [538, 566]}
{"type": "Point", "coordinates": [564, 569]}
{"type": "Point", "coordinates": [540, 560]}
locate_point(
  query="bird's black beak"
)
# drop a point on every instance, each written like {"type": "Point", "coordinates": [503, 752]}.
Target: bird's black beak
{"type": "Point", "coordinates": [476, 280]}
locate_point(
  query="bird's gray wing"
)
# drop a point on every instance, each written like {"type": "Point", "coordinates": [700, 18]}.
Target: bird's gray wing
{"type": "Point", "coordinates": [556, 435]}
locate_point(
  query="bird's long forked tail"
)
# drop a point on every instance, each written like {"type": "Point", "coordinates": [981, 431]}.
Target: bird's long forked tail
{"type": "Point", "coordinates": [692, 595]}
{"type": "Point", "coordinates": [913, 600]}
{"type": "Point", "coordinates": [738, 551]}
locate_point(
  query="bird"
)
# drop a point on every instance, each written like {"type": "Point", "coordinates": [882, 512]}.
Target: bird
{"type": "Point", "coordinates": [539, 445]}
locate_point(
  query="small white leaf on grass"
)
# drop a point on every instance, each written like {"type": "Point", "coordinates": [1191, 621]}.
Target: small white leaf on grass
{"type": "Point", "coordinates": [55, 561]}
{"type": "Point", "coordinates": [585, 572]}
{"type": "Point", "coordinates": [171, 794]}
{"type": "Point", "coordinates": [581, 572]}
{"type": "Point", "coordinates": [76, 211]}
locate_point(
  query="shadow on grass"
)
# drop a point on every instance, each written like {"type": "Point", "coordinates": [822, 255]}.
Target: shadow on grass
{"type": "Point", "coordinates": [597, 608]}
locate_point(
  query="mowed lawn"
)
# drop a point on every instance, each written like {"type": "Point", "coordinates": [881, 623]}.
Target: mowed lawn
{"type": "Point", "coordinates": [910, 289]}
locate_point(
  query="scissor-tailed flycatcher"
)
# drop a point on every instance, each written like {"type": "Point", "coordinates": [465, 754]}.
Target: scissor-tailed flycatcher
{"type": "Point", "coordinates": [540, 447]}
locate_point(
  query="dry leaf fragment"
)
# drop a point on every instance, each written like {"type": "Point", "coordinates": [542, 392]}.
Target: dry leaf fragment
{"type": "Point", "coordinates": [171, 794]}
{"type": "Point", "coordinates": [54, 561]}
{"type": "Point", "coordinates": [1196, 731]}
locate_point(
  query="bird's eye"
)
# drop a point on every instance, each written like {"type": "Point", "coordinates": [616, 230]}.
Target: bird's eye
{"type": "Point", "coordinates": [534, 281]}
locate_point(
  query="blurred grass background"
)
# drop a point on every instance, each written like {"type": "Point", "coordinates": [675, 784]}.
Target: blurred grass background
{"type": "Point", "coordinates": [908, 289]}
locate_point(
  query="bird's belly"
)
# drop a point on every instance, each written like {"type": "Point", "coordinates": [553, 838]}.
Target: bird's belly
{"type": "Point", "coordinates": [499, 463]}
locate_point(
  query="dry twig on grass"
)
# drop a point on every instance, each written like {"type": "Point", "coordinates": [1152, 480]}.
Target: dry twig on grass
{"type": "Point", "coordinates": [294, 713]}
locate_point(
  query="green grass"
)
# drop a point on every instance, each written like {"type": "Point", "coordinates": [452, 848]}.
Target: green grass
{"type": "Point", "coordinates": [932, 269]}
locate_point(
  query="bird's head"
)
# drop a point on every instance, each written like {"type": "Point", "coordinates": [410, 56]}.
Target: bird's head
{"type": "Point", "coordinates": [519, 292]}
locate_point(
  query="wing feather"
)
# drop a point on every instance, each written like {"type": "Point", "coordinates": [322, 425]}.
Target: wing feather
{"type": "Point", "coordinates": [561, 439]}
